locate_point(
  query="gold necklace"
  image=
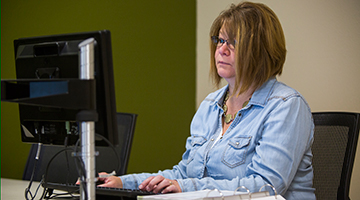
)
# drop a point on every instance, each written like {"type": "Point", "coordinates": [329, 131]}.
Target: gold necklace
{"type": "Point", "coordinates": [229, 117]}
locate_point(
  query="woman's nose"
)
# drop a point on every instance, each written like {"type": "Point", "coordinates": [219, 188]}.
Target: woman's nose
{"type": "Point", "coordinates": [224, 49]}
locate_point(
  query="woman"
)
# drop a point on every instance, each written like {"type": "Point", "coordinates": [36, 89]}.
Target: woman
{"type": "Point", "coordinates": [252, 132]}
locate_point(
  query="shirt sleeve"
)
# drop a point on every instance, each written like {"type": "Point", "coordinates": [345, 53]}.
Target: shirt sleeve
{"type": "Point", "coordinates": [132, 181]}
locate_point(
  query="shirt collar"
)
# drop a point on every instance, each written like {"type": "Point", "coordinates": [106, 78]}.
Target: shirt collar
{"type": "Point", "coordinates": [259, 97]}
{"type": "Point", "coordinates": [219, 99]}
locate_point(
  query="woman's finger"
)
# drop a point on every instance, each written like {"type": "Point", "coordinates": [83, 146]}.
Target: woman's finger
{"type": "Point", "coordinates": [172, 187]}
{"type": "Point", "coordinates": [154, 184]}
{"type": "Point", "coordinates": [144, 184]}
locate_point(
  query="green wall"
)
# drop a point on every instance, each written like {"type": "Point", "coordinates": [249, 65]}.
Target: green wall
{"type": "Point", "coordinates": [153, 45]}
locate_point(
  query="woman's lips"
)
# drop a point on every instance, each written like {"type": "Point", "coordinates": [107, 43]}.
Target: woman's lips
{"type": "Point", "coordinates": [223, 63]}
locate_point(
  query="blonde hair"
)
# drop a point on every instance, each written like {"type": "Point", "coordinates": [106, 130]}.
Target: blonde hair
{"type": "Point", "coordinates": [260, 44]}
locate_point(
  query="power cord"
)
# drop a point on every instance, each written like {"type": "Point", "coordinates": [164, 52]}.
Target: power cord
{"type": "Point", "coordinates": [27, 190]}
{"type": "Point", "coordinates": [114, 150]}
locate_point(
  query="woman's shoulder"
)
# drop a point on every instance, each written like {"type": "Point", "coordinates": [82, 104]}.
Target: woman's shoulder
{"type": "Point", "coordinates": [283, 92]}
{"type": "Point", "coordinates": [280, 89]}
{"type": "Point", "coordinates": [275, 91]}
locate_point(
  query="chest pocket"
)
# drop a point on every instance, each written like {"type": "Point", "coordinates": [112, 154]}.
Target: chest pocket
{"type": "Point", "coordinates": [196, 143]}
{"type": "Point", "coordinates": [236, 151]}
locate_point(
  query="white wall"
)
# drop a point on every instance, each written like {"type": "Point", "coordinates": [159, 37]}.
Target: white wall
{"type": "Point", "coordinates": [323, 43]}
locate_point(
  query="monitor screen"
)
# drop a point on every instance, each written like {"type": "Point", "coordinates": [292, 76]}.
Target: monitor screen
{"type": "Point", "coordinates": [57, 57]}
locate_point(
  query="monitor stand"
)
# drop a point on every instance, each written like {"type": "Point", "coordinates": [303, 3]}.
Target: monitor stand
{"type": "Point", "coordinates": [87, 127]}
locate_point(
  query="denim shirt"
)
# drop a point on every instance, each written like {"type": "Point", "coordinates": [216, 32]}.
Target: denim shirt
{"type": "Point", "coordinates": [269, 142]}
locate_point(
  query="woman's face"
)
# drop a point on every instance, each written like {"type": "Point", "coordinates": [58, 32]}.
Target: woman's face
{"type": "Point", "coordinates": [225, 58]}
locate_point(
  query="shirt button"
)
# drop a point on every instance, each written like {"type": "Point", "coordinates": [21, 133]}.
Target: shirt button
{"type": "Point", "coordinates": [212, 139]}
{"type": "Point", "coordinates": [237, 143]}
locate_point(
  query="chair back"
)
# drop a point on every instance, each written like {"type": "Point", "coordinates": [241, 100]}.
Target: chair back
{"type": "Point", "coordinates": [335, 140]}
{"type": "Point", "coordinates": [63, 169]}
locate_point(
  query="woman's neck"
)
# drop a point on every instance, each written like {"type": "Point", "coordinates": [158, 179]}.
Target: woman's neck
{"type": "Point", "coordinates": [235, 94]}
{"type": "Point", "coordinates": [236, 101]}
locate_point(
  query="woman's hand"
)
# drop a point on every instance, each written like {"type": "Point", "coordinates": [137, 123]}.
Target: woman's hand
{"type": "Point", "coordinates": [111, 181]}
{"type": "Point", "coordinates": [159, 184]}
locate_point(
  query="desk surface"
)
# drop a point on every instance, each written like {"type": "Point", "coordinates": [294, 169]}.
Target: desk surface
{"type": "Point", "coordinates": [12, 189]}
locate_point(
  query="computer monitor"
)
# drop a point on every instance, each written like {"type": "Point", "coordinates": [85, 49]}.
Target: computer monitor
{"type": "Point", "coordinates": [57, 57]}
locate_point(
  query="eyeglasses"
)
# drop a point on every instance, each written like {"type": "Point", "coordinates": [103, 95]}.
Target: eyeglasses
{"type": "Point", "coordinates": [219, 42]}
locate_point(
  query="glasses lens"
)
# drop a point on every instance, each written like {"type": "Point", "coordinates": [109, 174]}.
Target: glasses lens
{"type": "Point", "coordinates": [231, 43]}
{"type": "Point", "coordinates": [219, 42]}
{"type": "Point", "coordinates": [214, 40]}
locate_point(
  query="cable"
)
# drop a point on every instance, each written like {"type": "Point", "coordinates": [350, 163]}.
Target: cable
{"type": "Point", "coordinates": [27, 190]}
{"type": "Point", "coordinates": [114, 149]}
{"type": "Point", "coordinates": [37, 189]}
{"type": "Point", "coordinates": [47, 169]}
{"type": "Point", "coordinates": [57, 196]}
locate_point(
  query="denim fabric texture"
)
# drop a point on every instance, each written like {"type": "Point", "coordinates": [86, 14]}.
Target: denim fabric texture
{"type": "Point", "coordinates": [269, 142]}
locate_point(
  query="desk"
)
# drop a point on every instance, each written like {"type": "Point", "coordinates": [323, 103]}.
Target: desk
{"type": "Point", "coordinates": [12, 189]}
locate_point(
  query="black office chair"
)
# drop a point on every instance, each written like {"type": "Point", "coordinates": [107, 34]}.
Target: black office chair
{"type": "Point", "coordinates": [335, 140]}
{"type": "Point", "coordinates": [63, 167]}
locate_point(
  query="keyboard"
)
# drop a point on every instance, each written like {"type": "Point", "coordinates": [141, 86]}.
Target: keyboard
{"type": "Point", "coordinates": [102, 191]}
